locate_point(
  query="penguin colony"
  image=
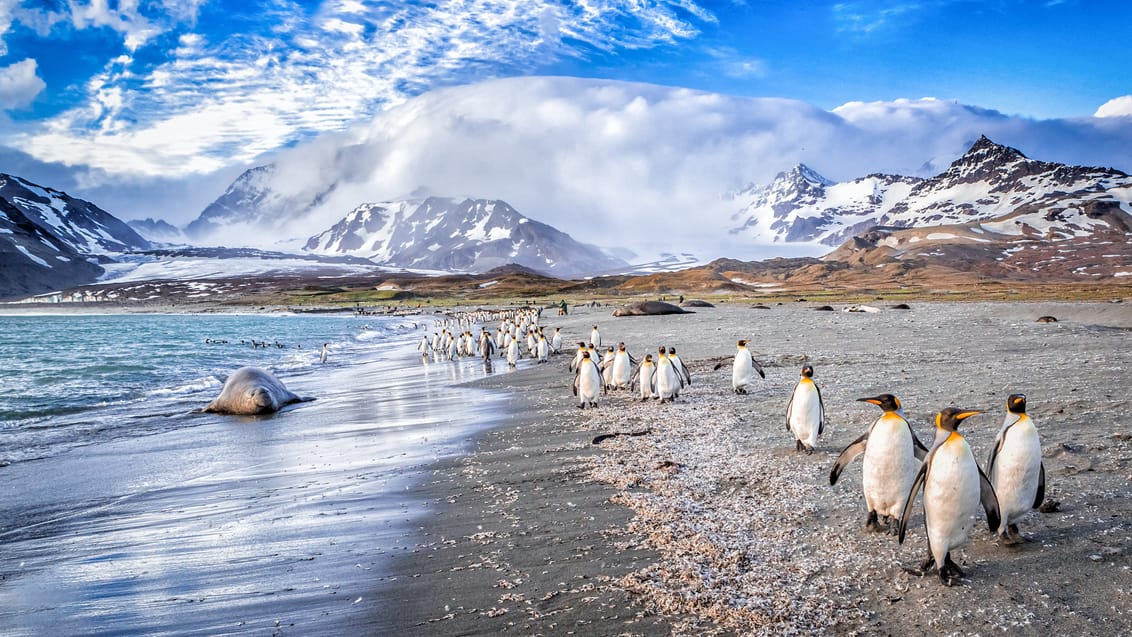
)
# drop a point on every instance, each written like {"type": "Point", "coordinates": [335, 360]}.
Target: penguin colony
{"type": "Point", "coordinates": [896, 465]}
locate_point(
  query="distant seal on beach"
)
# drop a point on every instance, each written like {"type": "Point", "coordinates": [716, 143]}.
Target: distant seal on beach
{"type": "Point", "coordinates": [649, 308]}
{"type": "Point", "coordinates": [696, 303]}
{"type": "Point", "coordinates": [250, 391]}
{"type": "Point", "coordinates": [1046, 319]}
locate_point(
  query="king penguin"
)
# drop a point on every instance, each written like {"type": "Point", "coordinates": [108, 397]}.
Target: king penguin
{"type": "Point", "coordinates": [744, 368]}
{"type": "Point", "coordinates": [646, 375]}
{"type": "Point", "coordinates": [954, 487]}
{"type": "Point", "coordinates": [1015, 469]}
{"type": "Point", "coordinates": [892, 456]}
{"type": "Point", "coordinates": [805, 415]}
{"type": "Point", "coordinates": [588, 383]}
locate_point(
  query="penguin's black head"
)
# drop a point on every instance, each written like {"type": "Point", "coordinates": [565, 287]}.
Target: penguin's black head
{"type": "Point", "coordinates": [648, 358]}
{"type": "Point", "coordinates": [808, 371]}
{"type": "Point", "coordinates": [741, 343]}
{"type": "Point", "coordinates": [1016, 404]}
{"type": "Point", "coordinates": [949, 419]}
{"type": "Point", "coordinates": [621, 347]}
{"type": "Point", "coordinates": [671, 350]}
{"type": "Point", "coordinates": [887, 402]}
{"type": "Point", "coordinates": [661, 349]}
{"type": "Point", "coordinates": [586, 354]}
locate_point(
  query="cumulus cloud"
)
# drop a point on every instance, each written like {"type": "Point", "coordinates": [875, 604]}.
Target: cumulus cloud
{"type": "Point", "coordinates": [642, 166]}
{"type": "Point", "coordinates": [19, 84]}
{"type": "Point", "coordinates": [301, 76]}
{"type": "Point", "coordinates": [1116, 107]}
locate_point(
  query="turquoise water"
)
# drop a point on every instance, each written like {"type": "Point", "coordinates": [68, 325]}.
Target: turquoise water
{"type": "Point", "coordinates": [76, 379]}
{"type": "Point", "coordinates": [126, 511]}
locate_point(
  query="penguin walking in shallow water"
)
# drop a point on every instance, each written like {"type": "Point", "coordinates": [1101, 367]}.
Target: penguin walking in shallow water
{"type": "Point", "coordinates": [744, 368]}
{"type": "Point", "coordinates": [892, 455]}
{"type": "Point", "coordinates": [805, 414]}
{"type": "Point", "coordinates": [588, 383]}
{"type": "Point", "coordinates": [954, 487]}
{"type": "Point", "coordinates": [1015, 469]}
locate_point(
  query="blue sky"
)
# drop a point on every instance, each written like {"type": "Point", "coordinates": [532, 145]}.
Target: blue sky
{"type": "Point", "coordinates": [137, 91]}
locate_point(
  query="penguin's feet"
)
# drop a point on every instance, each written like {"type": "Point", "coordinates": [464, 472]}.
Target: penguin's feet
{"type": "Point", "coordinates": [1012, 537]}
{"type": "Point", "coordinates": [798, 446]}
{"type": "Point", "coordinates": [871, 522]}
{"type": "Point", "coordinates": [950, 573]}
{"type": "Point", "coordinates": [809, 450]}
{"type": "Point", "coordinates": [925, 567]}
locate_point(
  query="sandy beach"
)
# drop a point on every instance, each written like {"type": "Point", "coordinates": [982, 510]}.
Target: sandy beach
{"type": "Point", "coordinates": [709, 522]}
{"type": "Point", "coordinates": [706, 521]}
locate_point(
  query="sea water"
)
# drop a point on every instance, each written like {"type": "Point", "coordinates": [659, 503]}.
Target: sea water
{"type": "Point", "coordinates": [120, 502]}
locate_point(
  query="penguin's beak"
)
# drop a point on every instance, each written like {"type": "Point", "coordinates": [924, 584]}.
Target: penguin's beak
{"type": "Point", "coordinates": [874, 400]}
{"type": "Point", "coordinates": [963, 415]}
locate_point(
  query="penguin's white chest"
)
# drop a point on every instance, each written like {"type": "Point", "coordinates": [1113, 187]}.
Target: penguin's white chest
{"type": "Point", "coordinates": [805, 412]}
{"type": "Point", "coordinates": [951, 495]}
{"type": "Point", "coordinates": [1016, 470]}
{"type": "Point", "coordinates": [589, 382]}
{"type": "Point", "coordinates": [742, 370]}
{"type": "Point", "coordinates": [889, 466]}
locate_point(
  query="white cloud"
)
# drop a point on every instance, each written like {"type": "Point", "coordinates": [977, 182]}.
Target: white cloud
{"type": "Point", "coordinates": [302, 77]}
{"type": "Point", "coordinates": [1116, 107]}
{"type": "Point", "coordinates": [644, 166]}
{"type": "Point", "coordinates": [19, 84]}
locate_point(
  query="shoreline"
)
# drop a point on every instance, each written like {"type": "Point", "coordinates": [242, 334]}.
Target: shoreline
{"type": "Point", "coordinates": [712, 524]}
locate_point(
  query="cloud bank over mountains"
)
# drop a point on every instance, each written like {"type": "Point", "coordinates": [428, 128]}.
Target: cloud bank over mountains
{"type": "Point", "coordinates": [646, 167]}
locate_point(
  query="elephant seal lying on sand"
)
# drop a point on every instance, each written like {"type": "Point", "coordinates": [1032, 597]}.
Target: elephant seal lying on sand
{"type": "Point", "coordinates": [649, 308]}
{"type": "Point", "coordinates": [250, 391]}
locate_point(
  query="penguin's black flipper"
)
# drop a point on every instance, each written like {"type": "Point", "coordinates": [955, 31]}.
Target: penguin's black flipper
{"type": "Point", "coordinates": [990, 502]}
{"type": "Point", "coordinates": [918, 447]}
{"type": "Point", "coordinates": [758, 368]}
{"type": "Point", "coordinates": [790, 407]}
{"type": "Point", "coordinates": [1041, 494]}
{"type": "Point", "coordinates": [917, 484]}
{"type": "Point", "coordinates": [821, 411]}
{"type": "Point", "coordinates": [999, 440]}
{"type": "Point", "coordinates": [855, 448]}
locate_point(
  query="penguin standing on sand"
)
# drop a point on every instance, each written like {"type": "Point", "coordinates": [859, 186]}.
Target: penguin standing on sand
{"type": "Point", "coordinates": [805, 414]}
{"type": "Point", "coordinates": [892, 457]}
{"type": "Point", "coordinates": [954, 487]}
{"type": "Point", "coordinates": [595, 337]}
{"type": "Point", "coordinates": [668, 381]}
{"type": "Point", "coordinates": [606, 366]}
{"type": "Point", "coordinates": [1015, 469]}
{"type": "Point", "coordinates": [744, 368]}
{"type": "Point", "coordinates": [588, 383]}
{"type": "Point", "coordinates": [322, 355]}
{"type": "Point", "coordinates": [646, 376]}
{"type": "Point", "coordinates": [680, 367]}
{"type": "Point", "coordinates": [622, 371]}
{"type": "Point", "coordinates": [556, 341]}
{"type": "Point", "coordinates": [543, 348]}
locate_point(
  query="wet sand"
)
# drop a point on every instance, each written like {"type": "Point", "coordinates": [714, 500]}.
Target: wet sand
{"type": "Point", "coordinates": [233, 525]}
{"type": "Point", "coordinates": [711, 523]}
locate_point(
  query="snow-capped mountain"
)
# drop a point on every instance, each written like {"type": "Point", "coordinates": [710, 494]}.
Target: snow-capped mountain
{"type": "Point", "coordinates": [987, 182]}
{"type": "Point", "coordinates": [49, 239]}
{"type": "Point", "coordinates": [157, 230]}
{"type": "Point", "coordinates": [458, 235]}
{"type": "Point", "coordinates": [258, 198]}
